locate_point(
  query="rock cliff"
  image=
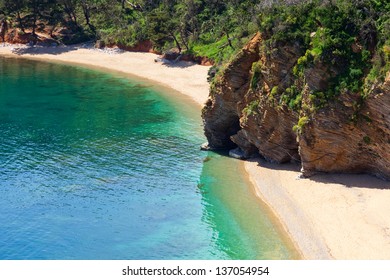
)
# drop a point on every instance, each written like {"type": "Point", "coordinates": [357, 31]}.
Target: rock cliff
{"type": "Point", "coordinates": [333, 142]}
{"type": "Point", "coordinates": [260, 105]}
{"type": "Point", "coordinates": [222, 111]}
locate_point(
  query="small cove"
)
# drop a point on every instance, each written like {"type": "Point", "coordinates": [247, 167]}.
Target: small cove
{"type": "Point", "coordinates": [97, 166]}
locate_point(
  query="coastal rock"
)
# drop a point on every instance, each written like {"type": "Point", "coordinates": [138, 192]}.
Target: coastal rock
{"type": "Point", "coordinates": [237, 153]}
{"type": "Point", "coordinates": [221, 114]}
{"type": "Point", "coordinates": [269, 133]}
{"type": "Point", "coordinates": [205, 147]}
{"type": "Point", "coordinates": [265, 127]}
{"type": "Point", "coordinates": [317, 77]}
{"type": "Point", "coordinates": [334, 142]}
{"type": "Point", "coordinates": [141, 46]}
{"type": "Point", "coordinates": [241, 113]}
{"type": "Point", "coordinates": [351, 134]}
{"type": "Point", "coordinates": [99, 44]}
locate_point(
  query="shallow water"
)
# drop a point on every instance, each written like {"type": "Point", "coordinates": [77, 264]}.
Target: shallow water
{"type": "Point", "coordinates": [97, 166]}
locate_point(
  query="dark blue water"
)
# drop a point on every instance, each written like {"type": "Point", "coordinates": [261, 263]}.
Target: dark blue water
{"type": "Point", "coordinates": [96, 166]}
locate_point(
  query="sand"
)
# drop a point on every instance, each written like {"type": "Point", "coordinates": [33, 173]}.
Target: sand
{"type": "Point", "coordinates": [326, 216]}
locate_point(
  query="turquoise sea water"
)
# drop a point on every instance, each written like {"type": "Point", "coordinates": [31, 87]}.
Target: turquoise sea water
{"type": "Point", "coordinates": [96, 166]}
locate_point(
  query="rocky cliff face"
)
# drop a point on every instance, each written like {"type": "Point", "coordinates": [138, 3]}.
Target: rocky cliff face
{"type": "Point", "coordinates": [332, 142]}
{"type": "Point", "coordinates": [247, 109]}
{"type": "Point", "coordinates": [222, 111]}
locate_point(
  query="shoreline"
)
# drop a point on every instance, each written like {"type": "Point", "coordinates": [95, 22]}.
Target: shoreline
{"type": "Point", "coordinates": [326, 216]}
{"type": "Point", "coordinates": [184, 77]}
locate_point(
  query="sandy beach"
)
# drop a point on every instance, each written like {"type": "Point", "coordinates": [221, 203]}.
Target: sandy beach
{"type": "Point", "coordinates": [329, 216]}
{"type": "Point", "coordinates": [326, 216]}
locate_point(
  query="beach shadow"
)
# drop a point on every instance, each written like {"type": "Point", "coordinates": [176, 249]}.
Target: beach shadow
{"type": "Point", "coordinates": [36, 50]}
{"type": "Point", "coordinates": [294, 167]}
{"type": "Point", "coordinates": [176, 64]}
{"type": "Point", "coordinates": [56, 50]}
{"type": "Point", "coordinates": [348, 180]}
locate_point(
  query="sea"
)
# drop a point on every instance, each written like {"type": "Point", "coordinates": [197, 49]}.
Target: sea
{"type": "Point", "coordinates": [102, 166]}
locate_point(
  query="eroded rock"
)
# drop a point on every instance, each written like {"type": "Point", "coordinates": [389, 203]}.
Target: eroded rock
{"type": "Point", "coordinates": [349, 134]}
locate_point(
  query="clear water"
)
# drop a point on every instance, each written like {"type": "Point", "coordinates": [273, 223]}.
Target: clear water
{"type": "Point", "coordinates": [96, 166]}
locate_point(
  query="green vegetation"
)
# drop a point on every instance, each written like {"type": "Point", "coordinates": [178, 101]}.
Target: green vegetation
{"type": "Point", "coordinates": [251, 108]}
{"type": "Point", "coordinates": [216, 29]}
{"type": "Point", "coordinates": [350, 39]}
{"type": "Point", "coordinates": [367, 140]}
{"type": "Point", "coordinates": [298, 128]}
{"type": "Point", "coordinates": [274, 90]}
{"type": "Point", "coordinates": [256, 73]}
{"type": "Point", "coordinates": [342, 36]}
{"type": "Point", "coordinates": [347, 41]}
{"type": "Point", "coordinates": [292, 97]}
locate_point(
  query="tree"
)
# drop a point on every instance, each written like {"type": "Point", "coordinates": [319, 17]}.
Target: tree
{"type": "Point", "coordinates": [39, 11]}
{"type": "Point", "coordinates": [3, 29]}
{"type": "Point", "coordinates": [188, 24]}
{"type": "Point", "coordinates": [69, 8]}
{"type": "Point", "coordinates": [164, 26]}
{"type": "Point", "coordinates": [14, 9]}
{"type": "Point", "coordinates": [86, 7]}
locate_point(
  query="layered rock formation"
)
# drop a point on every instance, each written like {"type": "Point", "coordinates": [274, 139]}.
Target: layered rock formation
{"type": "Point", "coordinates": [246, 110]}
{"type": "Point", "coordinates": [332, 142]}
{"type": "Point", "coordinates": [222, 111]}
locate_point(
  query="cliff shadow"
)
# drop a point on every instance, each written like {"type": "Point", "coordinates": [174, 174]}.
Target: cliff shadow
{"type": "Point", "coordinates": [352, 180]}
{"type": "Point", "coordinates": [348, 180]}
{"type": "Point", "coordinates": [295, 167]}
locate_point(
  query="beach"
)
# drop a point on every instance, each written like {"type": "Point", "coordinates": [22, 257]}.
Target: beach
{"type": "Point", "coordinates": [327, 216]}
